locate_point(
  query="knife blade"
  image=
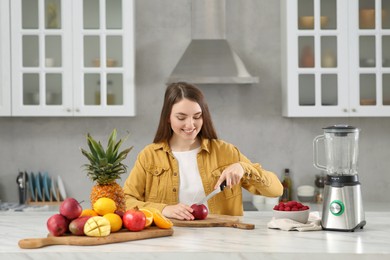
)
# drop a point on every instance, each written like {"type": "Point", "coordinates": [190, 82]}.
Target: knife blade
{"type": "Point", "coordinates": [213, 193]}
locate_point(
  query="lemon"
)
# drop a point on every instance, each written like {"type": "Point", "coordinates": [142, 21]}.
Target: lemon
{"type": "Point", "coordinates": [104, 206]}
{"type": "Point", "coordinates": [115, 221]}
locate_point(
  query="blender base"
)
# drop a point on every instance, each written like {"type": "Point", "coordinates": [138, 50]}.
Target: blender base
{"type": "Point", "coordinates": [359, 226]}
{"type": "Point", "coordinates": [343, 206]}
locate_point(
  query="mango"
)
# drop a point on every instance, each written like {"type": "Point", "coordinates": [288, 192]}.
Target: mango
{"type": "Point", "coordinates": [76, 226]}
{"type": "Point", "coordinates": [97, 227]}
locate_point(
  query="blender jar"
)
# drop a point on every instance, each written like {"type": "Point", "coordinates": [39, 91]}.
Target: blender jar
{"type": "Point", "coordinates": [341, 150]}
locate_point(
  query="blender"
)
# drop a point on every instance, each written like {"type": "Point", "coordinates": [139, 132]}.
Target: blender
{"type": "Point", "coordinates": [342, 197]}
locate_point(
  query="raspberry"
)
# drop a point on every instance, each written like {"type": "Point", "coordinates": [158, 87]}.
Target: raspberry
{"type": "Point", "coordinates": [291, 203]}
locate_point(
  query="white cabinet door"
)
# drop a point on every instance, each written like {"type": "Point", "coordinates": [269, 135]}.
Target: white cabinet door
{"type": "Point", "coordinates": [41, 57]}
{"type": "Point", "coordinates": [57, 46]}
{"type": "Point", "coordinates": [104, 58]}
{"type": "Point", "coordinates": [5, 76]}
{"type": "Point", "coordinates": [369, 57]}
{"type": "Point", "coordinates": [327, 49]}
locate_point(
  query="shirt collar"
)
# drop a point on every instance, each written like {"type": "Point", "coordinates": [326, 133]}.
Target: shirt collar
{"type": "Point", "coordinates": [204, 145]}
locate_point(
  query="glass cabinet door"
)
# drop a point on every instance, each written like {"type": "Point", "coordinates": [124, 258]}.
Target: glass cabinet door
{"type": "Point", "coordinates": [336, 58]}
{"type": "Point", "coordinates": [321, 86]}
{"type": "Point", "coordinates": [371, 24]}
{"type": "Point", "coordinates": [72, 58]}
{"type": "Point", "coordinates": [105, 72]}
{"type": "Point", "coordinates": [5, 79]}
{"type": "Point", "coordinates": [41, 67]}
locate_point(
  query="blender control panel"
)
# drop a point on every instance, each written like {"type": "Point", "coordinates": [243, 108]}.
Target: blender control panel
{"type": "Point", "coordinates": [336, 207]}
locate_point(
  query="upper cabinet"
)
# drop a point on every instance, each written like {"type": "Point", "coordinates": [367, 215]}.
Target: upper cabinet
{"type": "Point", "coordinates": [5, 76]}
{"type": "Point", "coordinates": [72, 58]}
{"type": "Point", "coordinates": [335, 58]}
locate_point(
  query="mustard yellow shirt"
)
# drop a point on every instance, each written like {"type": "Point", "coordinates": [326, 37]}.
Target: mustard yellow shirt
{"type": "Point", "coordinates": [154, 179]}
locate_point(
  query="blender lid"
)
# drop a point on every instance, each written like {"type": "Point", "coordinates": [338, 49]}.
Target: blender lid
{"type": "Point", "coordinates": [341, 129]}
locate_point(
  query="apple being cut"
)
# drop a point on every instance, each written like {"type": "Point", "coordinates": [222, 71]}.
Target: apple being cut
{"type": "Point", "coordinates": [200, 211]}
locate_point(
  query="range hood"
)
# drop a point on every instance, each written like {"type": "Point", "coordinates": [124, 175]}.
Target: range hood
{"type": "Point", "coordinates": [209, 58]}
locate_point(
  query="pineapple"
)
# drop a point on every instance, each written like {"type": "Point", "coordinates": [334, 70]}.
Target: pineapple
{"type": "Point", "coordinates": [104, 168]}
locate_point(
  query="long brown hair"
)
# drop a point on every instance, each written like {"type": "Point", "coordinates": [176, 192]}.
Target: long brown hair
{"type": "Point", "coordinates": [174, 93]}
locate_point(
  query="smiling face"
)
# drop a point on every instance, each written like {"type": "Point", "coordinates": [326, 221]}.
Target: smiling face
{"type": "Point", "coordinates": [186, 120]}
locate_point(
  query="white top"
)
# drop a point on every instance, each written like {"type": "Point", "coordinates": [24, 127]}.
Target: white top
{"type": "Point", "coordinates": [191, 187]}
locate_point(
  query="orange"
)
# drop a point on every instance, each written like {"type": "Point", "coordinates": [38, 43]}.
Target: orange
{"type": "Point", "coordinates": [88, 212]}
{"type": "Point", "coordinates": [148, 215]}
{"type": "Point", "coordinates": [160, 220]}
{"type": "Point", "coordinates": [115, 221]}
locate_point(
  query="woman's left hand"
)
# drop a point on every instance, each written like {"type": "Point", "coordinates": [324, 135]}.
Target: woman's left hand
{"type": "Point", "coordinates": [232, 174]}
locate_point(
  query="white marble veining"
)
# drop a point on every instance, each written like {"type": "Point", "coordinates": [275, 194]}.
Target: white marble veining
{"type": "Point", "coordinates": [373, 242]}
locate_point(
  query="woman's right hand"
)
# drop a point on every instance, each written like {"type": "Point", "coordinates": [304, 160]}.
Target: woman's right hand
{"type": "Point", "coordinates": [179, 211]}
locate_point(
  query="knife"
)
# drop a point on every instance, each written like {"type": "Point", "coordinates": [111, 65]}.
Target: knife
{"type": "Point", "coordinates": [212, 194]}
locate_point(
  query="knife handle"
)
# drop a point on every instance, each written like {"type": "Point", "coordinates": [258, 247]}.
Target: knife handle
{"type": "Point", "coordinates": [223, 185]}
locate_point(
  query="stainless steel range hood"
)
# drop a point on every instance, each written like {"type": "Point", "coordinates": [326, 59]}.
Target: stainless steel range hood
{"type": "Point", "coordinates": [209, 58]}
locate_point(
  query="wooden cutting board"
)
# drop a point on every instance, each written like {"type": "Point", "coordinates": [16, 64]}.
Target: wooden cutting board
{"type": "Point", "coordinates": [214, 220]}
{"type": "Point", "coordinates": [121, 236]}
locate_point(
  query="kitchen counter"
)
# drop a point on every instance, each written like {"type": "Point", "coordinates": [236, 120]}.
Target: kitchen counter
{"type": "Point", "coordinates": [373, 242]}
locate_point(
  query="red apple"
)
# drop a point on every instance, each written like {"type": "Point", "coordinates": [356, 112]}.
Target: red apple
{"type": "Point", "coordinates": [200, 211]}
{"type": "Point", "coordinates": [57, 225]}
{"type": "Point", "coordinates": [70, 208]}
{"type": "Point", "coordinates": [134, 219]}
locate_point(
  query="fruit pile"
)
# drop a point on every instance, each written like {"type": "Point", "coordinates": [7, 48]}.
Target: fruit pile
{"type": "Point", "coordinates": [290, 206]}
{"type": "Point", "coordinates": [102, 219]}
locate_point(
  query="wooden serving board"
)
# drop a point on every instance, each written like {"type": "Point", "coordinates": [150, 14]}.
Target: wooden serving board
{"type": "Point", "coordinates": [214, 220]}
{"type": "Point", "coordinates": [121, 236]}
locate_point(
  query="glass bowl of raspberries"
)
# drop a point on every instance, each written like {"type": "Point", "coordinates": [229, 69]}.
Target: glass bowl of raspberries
{"type": "Point", "coordinates": [292, 210]}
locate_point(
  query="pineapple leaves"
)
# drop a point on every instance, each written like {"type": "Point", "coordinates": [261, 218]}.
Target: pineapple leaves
{"type": "Point", "coordinates": [123, 155]}
{"type": "Point", "coordinates": [111, 144]}
{"type": "Point", "coordinates": [105, 166]}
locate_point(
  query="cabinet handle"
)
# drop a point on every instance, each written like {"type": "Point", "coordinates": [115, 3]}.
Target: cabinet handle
{"type": "Point", "coordinates": [345, 110]}
{"type": "Point", "coordinates": [68, 110]}
{"type": "Point", "coordinates": [353, 109]}
{"type": "Point", "coordinates": [77, 109]}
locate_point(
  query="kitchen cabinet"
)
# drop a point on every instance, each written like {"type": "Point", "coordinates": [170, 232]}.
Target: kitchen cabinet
{"type": "Point", "coordinates": [5, 77]}
{"type": "Point", "coordinates": [335, 58]}
{"type": "Point", "coordinates": [72, 58]}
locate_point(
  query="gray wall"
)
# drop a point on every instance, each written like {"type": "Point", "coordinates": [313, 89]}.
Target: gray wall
{"type": "Point", "coordinates": [248, 116]}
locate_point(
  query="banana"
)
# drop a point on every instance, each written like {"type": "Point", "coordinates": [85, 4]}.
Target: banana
{"type": "Point", "coordinates": [97, 227]}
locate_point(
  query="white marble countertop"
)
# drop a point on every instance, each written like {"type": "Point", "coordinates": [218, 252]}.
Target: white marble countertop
{"type": "Point", "coordinates": [373, 242]}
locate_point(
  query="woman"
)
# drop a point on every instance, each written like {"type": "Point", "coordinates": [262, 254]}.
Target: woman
{"type": "Point", "coordinates": [186, 161]}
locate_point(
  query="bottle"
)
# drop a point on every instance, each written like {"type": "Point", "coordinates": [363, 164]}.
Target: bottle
{"type": "Point", "coordinates": [287, 186]}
